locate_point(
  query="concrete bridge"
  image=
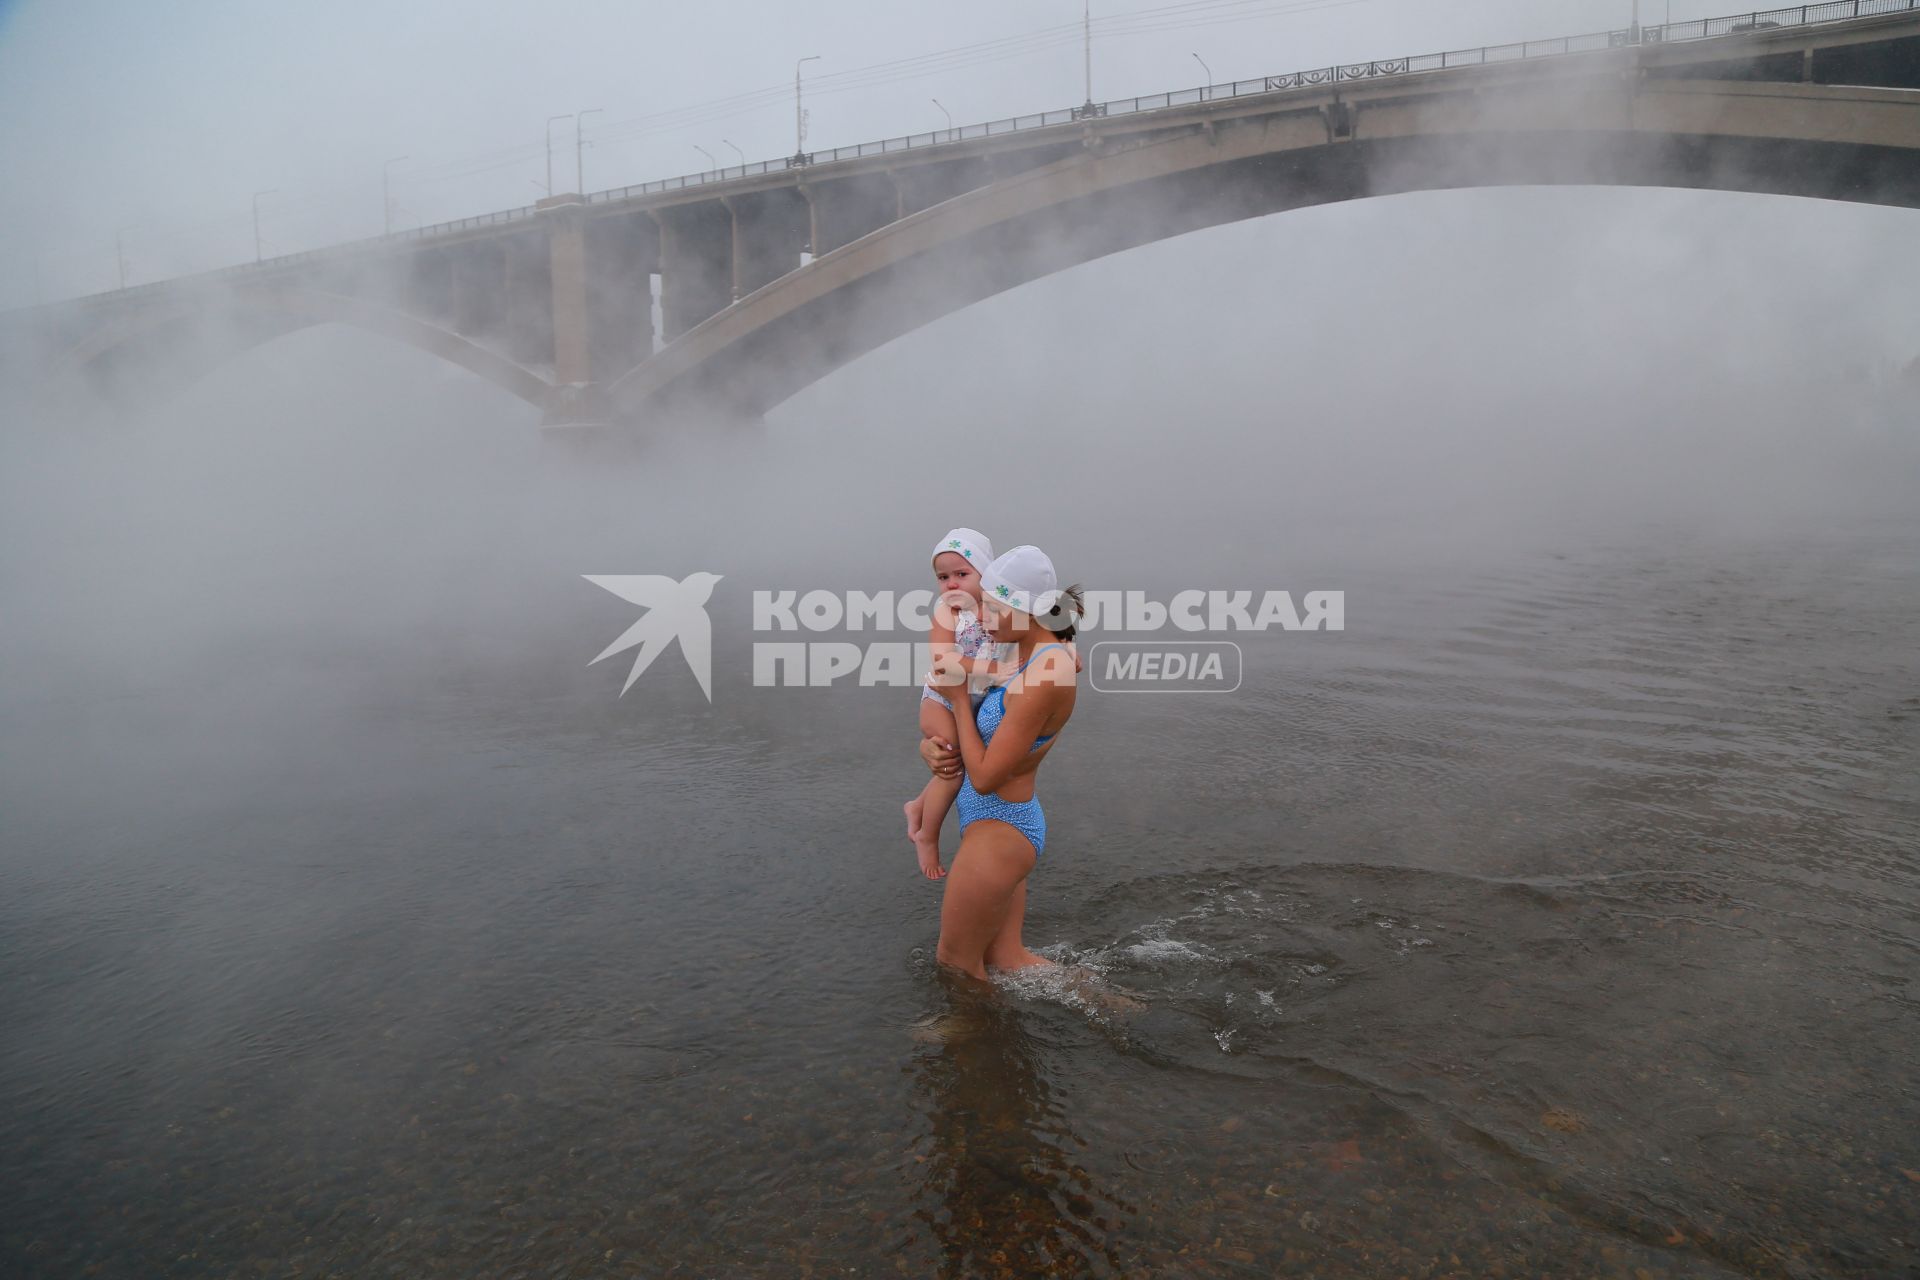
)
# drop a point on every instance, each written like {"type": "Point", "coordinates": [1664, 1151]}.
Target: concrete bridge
{"type": "Point", "coordinates": [769, 276]}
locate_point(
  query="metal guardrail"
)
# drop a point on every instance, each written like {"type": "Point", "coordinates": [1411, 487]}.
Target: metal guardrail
{"type": "Point", "coordinates": [1805, 15]}
{"type": "Point", "coordinates": [1319, 77]}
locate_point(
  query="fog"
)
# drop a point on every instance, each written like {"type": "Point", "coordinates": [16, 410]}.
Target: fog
{"type": "Point", "coordinates": [1435, 379]}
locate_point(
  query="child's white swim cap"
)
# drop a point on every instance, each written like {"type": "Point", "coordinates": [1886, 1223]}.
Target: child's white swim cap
{"type": "Point", "coordinates": [970, 543]}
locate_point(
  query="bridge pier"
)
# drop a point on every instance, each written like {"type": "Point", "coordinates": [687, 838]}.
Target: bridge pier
{"type": "Point", "coordinates": [567, 276]}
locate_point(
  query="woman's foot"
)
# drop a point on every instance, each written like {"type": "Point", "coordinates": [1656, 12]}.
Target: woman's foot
{"type": "Point", "coordinates": [1021, 959]}
{"type": "Point", "coordinates": [1093, 988]}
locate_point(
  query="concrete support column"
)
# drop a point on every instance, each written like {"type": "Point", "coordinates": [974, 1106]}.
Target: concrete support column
{"type": "Point", "coordinates": [925, 185]}
{"type": "Point", "coordinates": [770, 229]}
{"type": "Point", "coordinates": [567, 277]}
{"type": "Point", "coordinates": [696, 264]}
{"type": "Point", "coordinates": [848, 208]}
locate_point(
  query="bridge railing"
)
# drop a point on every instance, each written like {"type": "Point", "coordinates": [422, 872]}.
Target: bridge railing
{"type": "Point", "coordinates": [1318, 77]}
{"type": "Point", "coordinates": [1801, 15]}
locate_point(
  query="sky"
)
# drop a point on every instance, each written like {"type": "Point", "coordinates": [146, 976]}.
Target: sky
{"type": "Point", "coordinates": [145, 132]}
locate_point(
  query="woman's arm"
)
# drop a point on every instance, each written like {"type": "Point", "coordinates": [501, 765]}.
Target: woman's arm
{"type": "Point", "coordinates": [990, 767]}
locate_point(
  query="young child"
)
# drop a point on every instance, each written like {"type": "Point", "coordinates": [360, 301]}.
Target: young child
{"type": "Point", "coordinates": [957, 561]}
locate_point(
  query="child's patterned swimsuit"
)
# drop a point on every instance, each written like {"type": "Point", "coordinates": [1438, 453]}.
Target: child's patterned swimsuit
{"type": "Point", "coordinates": [973, 642]}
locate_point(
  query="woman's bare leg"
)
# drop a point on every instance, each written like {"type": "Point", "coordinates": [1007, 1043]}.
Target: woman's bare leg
{"type": "Point", "coordinates": [991, 867]}
{"type": "Point", "coordinates": [1007, 951]}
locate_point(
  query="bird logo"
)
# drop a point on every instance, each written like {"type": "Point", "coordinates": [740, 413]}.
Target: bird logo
{"type": "Point", "coordinates": [674, 611]}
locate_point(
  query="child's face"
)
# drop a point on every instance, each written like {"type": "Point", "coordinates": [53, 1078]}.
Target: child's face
{"type": "Point", "coordinates": [954, 572]}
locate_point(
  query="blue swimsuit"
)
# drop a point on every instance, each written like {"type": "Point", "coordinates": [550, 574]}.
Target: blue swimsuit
{"type": "Point", "coordinates": [1026, 816]}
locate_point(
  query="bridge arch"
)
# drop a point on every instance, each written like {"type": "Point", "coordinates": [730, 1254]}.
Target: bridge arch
{"type": "Point", "coordinates": [222, 326]}
{"type": "Point", "coordinates": [1827, 142]}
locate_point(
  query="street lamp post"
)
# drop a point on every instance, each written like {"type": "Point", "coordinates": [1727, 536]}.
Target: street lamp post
{"type": "Point", "coordinates": [943, 111]}
{"type": "Point", "coordinates": [737, 151]}
{"type": "Point", "coordinates": [1204, 67]}
{"type": "Point", "coordinates": [386, 195]}
{"type": "Point", "coordinates": [579, 147]}
{"type": "Point", "coordinates": [1086, 33]}
{"type": "Point", "coordinates": [799, 114]}
{"type": "Point", "coordinates": [256, 220]}
{"type": "Point", "coordinates": [550, 124]}
{"type": "Point", "coordinates": [120, 255]}
{"type": "Point", "coordinates": [708, 154]}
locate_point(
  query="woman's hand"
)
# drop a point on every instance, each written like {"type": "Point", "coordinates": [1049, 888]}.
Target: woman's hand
{"type": "Point", "coordinates": [943, 758]}
{"type": "Point", "coordinates": [949, 673]}
{"type": "Point", "coordinates": [949, 605]}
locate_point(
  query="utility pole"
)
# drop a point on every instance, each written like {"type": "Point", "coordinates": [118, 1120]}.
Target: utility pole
{"type": "Point", "coordinates": [550, 123]}
{"type": "Point", "coordinates": [943, 111]}
{"type": "Point", "coordinates": [1633, 32]}
{"type": "Point", "coordinates": [256, 220]}
{"type": "Point", "coordinates": [386, 195]}
{"type": "Point", "coordinates": [799, 114]}
{"type": "Point", "coordinates": [579, 148]}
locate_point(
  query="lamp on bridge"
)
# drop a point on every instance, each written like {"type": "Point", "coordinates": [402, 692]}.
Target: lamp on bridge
{"type": "Point", "coordinates": [580, 148]}
{"type": "Point", "coordinates": [799, 112]}
{"type": "Point", "coordinates": [550, 124]}
{"type": "Point", "coordinates": [386, 195]}
{"type": "Point", "coordinates": [256, 220]}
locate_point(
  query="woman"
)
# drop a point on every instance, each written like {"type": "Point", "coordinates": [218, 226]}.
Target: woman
{"type": "Point", "coordinates": [1002, 828]}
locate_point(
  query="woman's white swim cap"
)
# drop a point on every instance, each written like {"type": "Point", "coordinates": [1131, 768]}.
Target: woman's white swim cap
{"type": "Point", "coordinates": [1022, 578]}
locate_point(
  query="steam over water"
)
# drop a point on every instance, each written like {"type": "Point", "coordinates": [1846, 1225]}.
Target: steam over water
{"type": "Point", "coordinates": [1558, 917]}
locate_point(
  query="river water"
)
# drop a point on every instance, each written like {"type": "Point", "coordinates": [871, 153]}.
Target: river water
{"type": "Point", "coordinates": [1557, 917]}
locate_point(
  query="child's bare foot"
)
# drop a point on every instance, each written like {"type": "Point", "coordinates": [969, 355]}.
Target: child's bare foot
{"type": "Point", "coordinates": [927, 845]}
{"type": "Point", "coordinates": [913, 809]}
